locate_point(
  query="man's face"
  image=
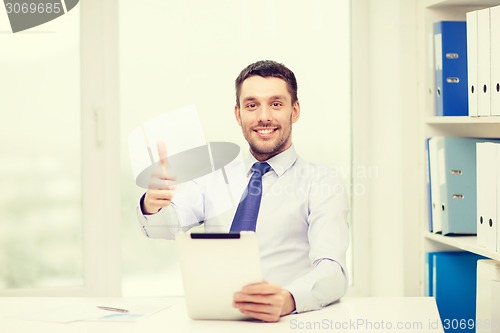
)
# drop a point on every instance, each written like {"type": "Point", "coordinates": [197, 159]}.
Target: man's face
{"type": "Point", "coordinates": [266, 115]}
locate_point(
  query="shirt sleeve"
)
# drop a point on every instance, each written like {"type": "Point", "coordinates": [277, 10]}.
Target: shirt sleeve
{"type": "Point", "coordinates": [184, 212]}
{"type": "Point", "coordinates": [323, 285]}
{"type": "Point", "coordinates": [328, 235]}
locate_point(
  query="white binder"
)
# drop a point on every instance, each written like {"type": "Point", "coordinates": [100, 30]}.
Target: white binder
{"type": "Point", "coordinates": [472, 62]}
{"type": "Point", "coordinates": [495, 64]}
{"type": "Point", "coordinates": [497, 167]}
{"type": "Point", "coordinates": [495, 306]}
{"type": "Point", "coordinates": [487, 272]}
{"type": "Point", "coordinates": [437, 225]}
{"type": "Point", "coordinates": [486, 174]}
{"type": "Point", "coordinates": [483, 62]}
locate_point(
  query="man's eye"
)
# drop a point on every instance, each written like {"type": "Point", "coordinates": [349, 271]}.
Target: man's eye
{"type": "Point", "coordinates": [251, 106]}
{"type": "Point", "coordinates": [276, 104]}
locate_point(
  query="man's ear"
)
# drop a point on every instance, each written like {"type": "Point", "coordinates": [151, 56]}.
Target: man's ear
{"type": "Point", "coordinates": [237, 114]}
{"type": "Point", "coordinates": [296, 111]}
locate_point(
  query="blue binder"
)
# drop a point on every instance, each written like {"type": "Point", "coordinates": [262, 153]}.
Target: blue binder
{"type": "Point", "coordinates": [429, 266]}
{"type": "Point", "coordinates": [450, 48]}
{"type": "Point", "coordinates": [458, 190]}
{"type": "Point", "coordinates": [454, 288]}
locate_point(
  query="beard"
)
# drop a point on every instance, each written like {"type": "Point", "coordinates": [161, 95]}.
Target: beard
{"type": "Point", "coordinates": [272, 147]}
{"type": "Point", "coordinates": [268, 148]}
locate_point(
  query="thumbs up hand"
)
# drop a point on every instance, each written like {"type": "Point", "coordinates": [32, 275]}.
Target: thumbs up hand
{"type": "Point", "coordinates": [160, 190]}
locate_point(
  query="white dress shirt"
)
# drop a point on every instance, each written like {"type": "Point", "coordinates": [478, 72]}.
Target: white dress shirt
{"type": "Point", "coordinates": [302, 227]}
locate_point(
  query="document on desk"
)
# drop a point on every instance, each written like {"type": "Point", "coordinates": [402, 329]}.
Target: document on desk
{"type": "Point", "coordinates": [92, 312]}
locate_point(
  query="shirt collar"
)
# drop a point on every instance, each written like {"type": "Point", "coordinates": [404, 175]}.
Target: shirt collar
{"type": "Point", "coordinates": [280, 163]}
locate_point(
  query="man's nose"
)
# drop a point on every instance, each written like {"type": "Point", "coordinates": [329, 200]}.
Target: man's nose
{"type": "Point", "coordinates": [265, 113]}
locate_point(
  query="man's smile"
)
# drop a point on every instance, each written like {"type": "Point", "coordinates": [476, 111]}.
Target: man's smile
{"type": "Point", "coordinates": [265, 132]}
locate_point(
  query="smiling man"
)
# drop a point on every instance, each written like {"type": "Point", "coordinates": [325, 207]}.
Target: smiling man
{"type": "Point", "coordinates": [301, 216]}
{"type": "Point", "coordinates": [266, 110]}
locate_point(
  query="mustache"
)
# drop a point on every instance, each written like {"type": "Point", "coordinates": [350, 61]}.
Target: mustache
{"type": "Point", "coordinates": [261, 124]}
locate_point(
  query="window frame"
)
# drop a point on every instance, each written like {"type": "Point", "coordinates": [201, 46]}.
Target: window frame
{"type": "Point", "coordinates": [99, 97]}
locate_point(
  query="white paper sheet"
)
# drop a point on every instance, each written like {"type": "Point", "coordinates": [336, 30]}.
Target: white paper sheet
{"type": "Point", "coordinates": [90, 312]}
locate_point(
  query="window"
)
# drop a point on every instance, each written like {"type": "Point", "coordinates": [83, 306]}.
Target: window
{"type": "Point", "coordinates": [40, 144]}
{"type": "Point", "coordinates": [59, 206]}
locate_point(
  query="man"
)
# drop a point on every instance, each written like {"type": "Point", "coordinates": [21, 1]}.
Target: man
{"type": "Point", "coordinates": [302, 220]}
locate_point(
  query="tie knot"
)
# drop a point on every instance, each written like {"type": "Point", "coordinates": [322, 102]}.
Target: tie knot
{"type": "Point", "coordinates": [261, 167]}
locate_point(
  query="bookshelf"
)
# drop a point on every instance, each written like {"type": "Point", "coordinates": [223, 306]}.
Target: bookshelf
{"type": "Point", "coordinates": [430, 11]}
{"type": "Point", "coordinates": [485, 127]}
{"type": "Point", "coordinates": [469, 121]}
{"type": "Point", "coordinates": [458, 3]}
{"type": "Point", "coordinates": [466, 243]}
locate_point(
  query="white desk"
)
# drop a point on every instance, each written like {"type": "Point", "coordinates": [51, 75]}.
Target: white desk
{"type": "Point", "coordinates": [416, 314]}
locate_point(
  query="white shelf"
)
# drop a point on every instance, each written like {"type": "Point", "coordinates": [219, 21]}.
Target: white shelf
{"type": "Point", "coordinates": [472, 127]}
{"type": "Point", "coordinates": [462, 120]}
{"type": "Point", "coordinates": [456, 3]}
{"type": "Point", "coordinates": [466, 243]}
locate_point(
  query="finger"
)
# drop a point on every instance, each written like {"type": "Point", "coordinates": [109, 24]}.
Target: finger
{"type": "Point", "coordinates": [263, 288]}
{"type": "Point", "coordinates": [162, 152]}
{"type": "Point", "coordinates": [260, 308]}
{"type": "Point", "coordinates": [164, 172]}
{"type": "Point", "coordinates": [260, 314]}
{"type": "Point", "coordinates": [273, 299]}
{"type": "Point", "coordinates": [156, 183]}
{"type": "Point", "coordinates": [158, 203]}
{"type": "Point", "coordinates": [162, 155]}
{"type": "Point", "coordinates": [154, 201]}
{"type": "Point", "coordinates": [154, 195]}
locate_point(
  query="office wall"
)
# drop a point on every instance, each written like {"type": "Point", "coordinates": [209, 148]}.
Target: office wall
{"type": "Point", "coordinates": [179, 52]}
{"type": "Point", "coordinates": [387, 119]}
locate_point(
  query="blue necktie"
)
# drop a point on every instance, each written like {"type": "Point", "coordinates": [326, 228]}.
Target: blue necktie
{"type": "Point", "coordinates": [248, 209]}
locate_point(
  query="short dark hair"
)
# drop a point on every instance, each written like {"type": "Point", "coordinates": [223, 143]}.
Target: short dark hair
{"type": "Point", "coordinates": [267, 68]}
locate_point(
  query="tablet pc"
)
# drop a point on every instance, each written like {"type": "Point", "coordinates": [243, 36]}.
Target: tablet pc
{"type": "Point", "coordinates": [214, 266]}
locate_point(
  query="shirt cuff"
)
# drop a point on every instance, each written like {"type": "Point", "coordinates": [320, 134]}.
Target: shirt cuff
{"type": "Point", "coordinates": [301, 293]}
{"type": "Point", "coordinates": [164, 224]}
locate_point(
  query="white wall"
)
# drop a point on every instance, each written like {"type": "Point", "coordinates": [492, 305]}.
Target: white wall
{"type": "Point", "coordinates": [175, 53]}
{"type": "Point", "coordinates": [388, 121]}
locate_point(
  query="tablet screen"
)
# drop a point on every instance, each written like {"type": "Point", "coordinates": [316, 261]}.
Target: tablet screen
{"type": "Point", "coordinates": [214, 266]}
